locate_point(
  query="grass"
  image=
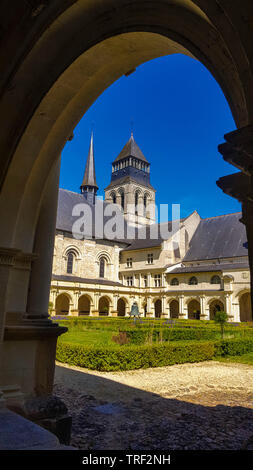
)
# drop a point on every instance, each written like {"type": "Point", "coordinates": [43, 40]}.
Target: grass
{"type": "Point", "coordinates": [88, 337]}
{"type": "Point", "coordinates": [244, 359]}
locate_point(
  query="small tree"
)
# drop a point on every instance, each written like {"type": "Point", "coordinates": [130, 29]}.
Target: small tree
{"type": "Point", "coordinates": [221, 318]}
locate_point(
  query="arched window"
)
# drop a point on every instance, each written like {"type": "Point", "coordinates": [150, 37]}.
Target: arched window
{"type": "Point", "coordinates": [216, 280]}
{"type": "Point", "coordinates": [145, 200]}
{"type": "Point", "coordinates": [102, 267]}
{"type": "Point", "coordinates": [113, 196]}
{"type": "Point", "coordinates": [174, 282]}
{"type": "Point", "coordinates": [122, 198]}
{"type": "Point", "coordinates": [193, 281]}
{"type": "Point", "coordinates": [136, 202]}
{"type": "Point", "coordinates": [70, 262]}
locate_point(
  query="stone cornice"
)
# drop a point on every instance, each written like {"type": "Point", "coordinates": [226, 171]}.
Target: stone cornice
{"type": "Point", "coordinates": [238, 150]}
{"type": "Point", "coordinates": [8, 256]}
{"type": "Point", "coordinates": [237, 185]}
{"type": "Point", "coordinates": [16, 258]}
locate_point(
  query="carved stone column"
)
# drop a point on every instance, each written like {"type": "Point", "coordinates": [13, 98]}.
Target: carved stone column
{"type": "Point", "coordinates": [182, 313]}
{"type": "Point", "coordinates": [238, 150]}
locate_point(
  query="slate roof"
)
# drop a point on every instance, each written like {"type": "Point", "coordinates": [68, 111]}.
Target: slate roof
{"type": "Point", "coordinates": [210, 267]}
{"type": "Point", "coordinates": [218, 237]}
{"type": "Point", "coordinates": [67, 200]}
{"type": "Point", "coordinates": [131, 149]}
{"type": "Point", "coordinates": [155, 236]}
{"type": "Point", "coordinates": [89, 178]}
{"type": "Point", "coordinates": [82, 280]}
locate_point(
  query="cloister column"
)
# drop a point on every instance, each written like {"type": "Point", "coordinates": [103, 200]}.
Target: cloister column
{"type": "Point", "coordinates": [164, 313]}
{"type": "Point", "coordinates": [182, 313]}
{"type": "Point", "coordinates": [228, 306]}
{"type": "Point", "coordinates": [75, 310]}
{"type": "Point", "coordinates": [30, 337]}
{"type": "Point", "coordinates": [203, 315]}
{"type": "Point", "coordinates": [238, 150]}
{"type": "Point", "coordinates": [149, 307]}
{"type": "Point", "coordinates": [38, 298]}
{"type": "Point", "coordinates": [95, 312]}
{"type": "Point", "coordinates": [114, 311]}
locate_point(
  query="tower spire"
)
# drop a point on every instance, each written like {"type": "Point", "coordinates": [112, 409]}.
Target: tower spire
{"type": "Point", "coordinates": [89, 185]}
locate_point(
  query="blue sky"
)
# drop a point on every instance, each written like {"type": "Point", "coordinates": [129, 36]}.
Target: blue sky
{"type": "Point", "coordinates": [180, 116]}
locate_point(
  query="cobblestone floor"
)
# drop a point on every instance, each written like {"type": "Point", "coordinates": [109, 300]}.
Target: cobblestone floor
{"type": "Point", "coordinates": [191, 406]}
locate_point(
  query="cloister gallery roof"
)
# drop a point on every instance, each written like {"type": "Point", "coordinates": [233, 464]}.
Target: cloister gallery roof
{"type": "Point", "coordinates": [215, 237]}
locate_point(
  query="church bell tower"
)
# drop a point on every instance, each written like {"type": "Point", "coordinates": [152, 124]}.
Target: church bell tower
{"type": "Point", "coordinates": [130, 186]}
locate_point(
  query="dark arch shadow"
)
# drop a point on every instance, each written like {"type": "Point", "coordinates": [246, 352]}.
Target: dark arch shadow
{"type": "Point", "coordinates": [108, 415]}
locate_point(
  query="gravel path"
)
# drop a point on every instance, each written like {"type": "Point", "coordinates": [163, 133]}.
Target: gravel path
{"type": "Point", "coordinates": [191, 406]}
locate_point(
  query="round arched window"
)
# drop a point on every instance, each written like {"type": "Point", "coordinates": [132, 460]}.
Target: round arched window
{"type": "Point", "coordinates": [174, 282]}
{"type": "Point", "coordinates": [102, 267]}
{"type": "Point", "coordinates": [70, 261]}
{"type": "Point", "coordinates": [193, 281]}
{"type": "Point", "coordinates": [216, 280]}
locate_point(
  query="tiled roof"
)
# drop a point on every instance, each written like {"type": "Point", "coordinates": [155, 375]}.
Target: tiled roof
{"type": "Point", "coordinates": [131, 149]}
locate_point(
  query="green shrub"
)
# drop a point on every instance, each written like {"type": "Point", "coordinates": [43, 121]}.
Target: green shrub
{"type": "Point", "coordinates": [134, 357]}
{"type": "Point", "coordinates": [235, 347]}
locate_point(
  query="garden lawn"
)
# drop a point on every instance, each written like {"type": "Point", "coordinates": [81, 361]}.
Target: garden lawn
{"type": "Point", "coordinates": [244, 359]}
{"type": "Point", "coordinates": [89, 337]}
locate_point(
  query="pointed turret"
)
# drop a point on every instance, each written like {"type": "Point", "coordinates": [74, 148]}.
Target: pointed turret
{"type": "Point", "coordinates": [89, 185]}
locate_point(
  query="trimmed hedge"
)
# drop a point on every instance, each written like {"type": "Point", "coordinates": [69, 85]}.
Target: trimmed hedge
{"type": "Point", "coordinates": [141, 336]}
{"type": "Point", "coordinates": [235, 347]}
{"type": "Point", "coordinates": [134, 357]}
{"type": "Point", "coordinates": [144, 356]}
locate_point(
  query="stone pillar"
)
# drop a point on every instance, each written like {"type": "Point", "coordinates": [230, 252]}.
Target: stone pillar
{"type": "Point", "coordinates": [75, 312]}
{"type": "Point", "coordinates": [95, 312]}
{"type": "Point", "coordinates": [203, 308]}
{"type": "Point", "coordinates": [114, 311]}
{"type": "Point", "coordinates": [7, 261]}
{"type": "Point", "coordinates": [38, 298]}
{"type": "Point", "coordinates": [149, 307]}
{"type": "Point", "coordinates": [238, 150]}
{"type": "Point", "coordinates": [236, 312]}
{"type": "Point", "coordinates": [228, 306]}
{"type": "Point", "coordinates": [164, 313]}
{"type": "Point", "coordinates": [182, 313]}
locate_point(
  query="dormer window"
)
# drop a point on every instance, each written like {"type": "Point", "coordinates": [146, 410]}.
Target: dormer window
{"type": "Point", "coordinates": [157, 280]}
{"type": "Point", "coordinates": [129, 262]}
{"type": "Point", "coordinates": [150, 258]}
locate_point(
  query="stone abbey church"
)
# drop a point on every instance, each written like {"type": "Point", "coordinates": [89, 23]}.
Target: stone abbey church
{"type": "Point", "coordinates": [206, 270]}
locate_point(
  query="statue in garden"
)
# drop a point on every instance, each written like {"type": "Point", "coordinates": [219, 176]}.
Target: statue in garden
{"type": "Point", "coordinates": [135, 311]}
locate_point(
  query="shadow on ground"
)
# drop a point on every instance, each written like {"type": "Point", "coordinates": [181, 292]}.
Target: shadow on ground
{"type": "Point", "coordinates": [108, 415]}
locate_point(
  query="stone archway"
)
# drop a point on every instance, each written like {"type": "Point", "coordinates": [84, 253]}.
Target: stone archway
{"type": "Point", "coordinates": [174, 309]}
{"type": "Point", "coordinates": [158, 308]}
{"type": "Point", "coordinates": [62, 305]}
{"type": "Point", "coordinates": [194, 310]}
{"type": "Point", "coordinates": [245, 308]}
{"type": "Point", "coordinates": [101, 42]}
{"type": "Point", "coordinates": [121, 308]}
{"type": "Point", "coordinates": [84, 305]}
{"type": "Point", "coordinates": [104, 306]}
{"type": "Point", "coordinates": [215, 306]}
